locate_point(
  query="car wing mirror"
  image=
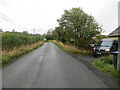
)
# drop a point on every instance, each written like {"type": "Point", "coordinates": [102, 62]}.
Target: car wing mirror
{"type": "Point", "coordinates": [92, 45]}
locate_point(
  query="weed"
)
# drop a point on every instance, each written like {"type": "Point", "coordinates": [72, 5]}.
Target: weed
{"type": "Point", "coordinates": [104, 64]}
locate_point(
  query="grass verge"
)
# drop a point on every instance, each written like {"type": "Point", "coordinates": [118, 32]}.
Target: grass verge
{"type": "Point", "coordinates": [105, 65]}
{"type": "Point", "coordinates": [0, 61]}
{"type": "Point", "coordinates": [71, 49]}
{"type": "Point", "coordinates": [10, 56]}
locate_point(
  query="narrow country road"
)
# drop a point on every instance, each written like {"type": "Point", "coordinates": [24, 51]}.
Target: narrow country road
{"type": "Point", "coordinates": [49, 67]}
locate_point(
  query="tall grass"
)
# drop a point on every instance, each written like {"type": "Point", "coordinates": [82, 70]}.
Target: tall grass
{"type": "Point", "coordinates": [105, 64]}
{"type": "Point", "coordinates": [71, 49]}
{"type": "Point", "coordinates": [9, 56]}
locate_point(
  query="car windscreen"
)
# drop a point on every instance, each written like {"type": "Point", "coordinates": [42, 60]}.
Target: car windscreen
{"type": "Point", "coordinates": [105, 43]}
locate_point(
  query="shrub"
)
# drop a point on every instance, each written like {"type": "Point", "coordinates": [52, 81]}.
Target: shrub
{"type": "Point", "coordinates": [106, 59]}
{"type": "Point", "coordinates": [106, 64]}
{"type": "Point", "coordinates": [12, 40]}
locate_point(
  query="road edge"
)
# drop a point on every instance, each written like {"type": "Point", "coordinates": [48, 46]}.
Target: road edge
{"type": "Point", "coordinates": [107, 79]}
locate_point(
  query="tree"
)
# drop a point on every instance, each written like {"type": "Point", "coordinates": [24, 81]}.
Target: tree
{"type": "Point", "coordinates": [49, 34]}
{"type": "Point", "coordinates": [59, 32]}
{"type": "Point", "coordinates": [25, 32]}
{"type": "Point", "coordinates": [79, 25]}
{"type": "Point", "coordinates": [97, 38]}
{"type": "Point", "coordinates": [13, 30]}
{"type": "Point", "coordinates": [1, 30]}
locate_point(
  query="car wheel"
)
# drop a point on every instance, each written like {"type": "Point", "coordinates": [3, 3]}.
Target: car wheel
{"type": "Point", "coordinates": [94, 54]}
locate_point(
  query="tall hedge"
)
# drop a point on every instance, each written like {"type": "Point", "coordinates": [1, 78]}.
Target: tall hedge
{"type": "Point", "coordinates": [11, 40]}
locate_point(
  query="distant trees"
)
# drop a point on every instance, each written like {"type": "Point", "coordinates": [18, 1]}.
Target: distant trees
{"type": "Point", "coordinates": [25, 32]}
{"type": "Point", "coordinates": [13, 30]}
{"type": "Point", "coordinates": [49, 34]}
{"type": "Point", "coordinates": [77, 25]}
{"type": "Point", "coordinates": [1, 30]}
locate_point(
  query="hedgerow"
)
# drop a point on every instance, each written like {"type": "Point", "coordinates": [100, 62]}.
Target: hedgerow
{"type": "Point", "coordinates": [12, 40]}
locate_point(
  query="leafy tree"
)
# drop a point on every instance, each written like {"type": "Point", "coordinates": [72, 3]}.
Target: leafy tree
{"type": "Point", "coordinates": [49, 34]}
{"type": "Point", "coordinates": [13, 30]}
{"type": "Point", "coordinates": [77, 24]}
{"type": "Point", "coordinates": [1, 30]}
{"type": "Point", "coordinates": [97, 38]}
{"type": "Point", "coordinates": [25, 32]}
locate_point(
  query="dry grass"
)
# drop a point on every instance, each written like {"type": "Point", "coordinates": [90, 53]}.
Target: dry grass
{"type": "Point", "coordinates": [22, 48]}
{"type": "Point", "coordinates": [8, 56]}
{"type": "Point", "coordinates": [71, 49]}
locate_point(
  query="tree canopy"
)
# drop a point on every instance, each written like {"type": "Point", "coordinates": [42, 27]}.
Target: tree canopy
{"type": "Point", "coordinates": [77, 25]}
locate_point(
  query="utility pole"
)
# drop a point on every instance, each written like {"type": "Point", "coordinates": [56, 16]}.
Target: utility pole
{"type": "Point", "coordinates": [118, 62]}
{"type": "Point", "coordinates": [34, 31]}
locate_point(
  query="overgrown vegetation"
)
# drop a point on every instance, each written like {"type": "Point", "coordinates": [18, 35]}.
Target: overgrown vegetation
{"type": "Point", "coordinates": [14, 44]}
{"type": "Point", "coordinates": [71, 49]}
{"type": "Point", "coordinates": [11, 40]}
{"type": "Point", "coordinates": [9, 56]}
{"type": "Point", "coordinates": [106, 64]}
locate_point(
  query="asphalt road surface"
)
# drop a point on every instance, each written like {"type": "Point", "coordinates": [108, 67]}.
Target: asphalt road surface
{"type": "Point", "coordinates": [49, 67]}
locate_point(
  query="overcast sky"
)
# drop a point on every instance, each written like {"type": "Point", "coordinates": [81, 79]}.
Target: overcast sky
{"type": "Point", "coordinates": [42, 14]}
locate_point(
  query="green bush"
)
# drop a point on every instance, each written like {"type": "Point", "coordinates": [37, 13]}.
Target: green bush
{"type": "Point", "coordinates": [106, 64]}
{"type": "Point", "coordinates": [106, 59]}
{"type": "Point", "coordinates": [11, 40]}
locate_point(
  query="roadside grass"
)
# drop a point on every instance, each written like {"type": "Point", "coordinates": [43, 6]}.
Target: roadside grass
{"type": "Point", "coordinates": [71, 49]}
{"type": "Point", "coordinates": [105, 64]}
{"type": "Point", "coordinates": [10, 56]}
{"type": "Point", "coordinates": [0, 61]}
